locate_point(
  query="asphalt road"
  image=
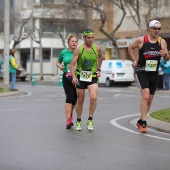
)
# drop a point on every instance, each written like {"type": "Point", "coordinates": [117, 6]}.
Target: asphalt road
{"type": "Point", "coordinates": [33, 134]}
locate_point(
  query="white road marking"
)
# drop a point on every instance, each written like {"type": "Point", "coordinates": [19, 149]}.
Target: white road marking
{"type": "Point", "coordinates": [42, 100]}
{"type": "Point", "coordinates": [164, 96]}
{"type": "Point", "coordinates": [9, 110]}
{"type": "Point", "coordinates": [117, 95]}
{"type": "Point", "coordinates": [126, 96]}
{"type": "Point", "coordinates": [114, 123]}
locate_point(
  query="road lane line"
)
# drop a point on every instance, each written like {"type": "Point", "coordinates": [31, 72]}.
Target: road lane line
{"type": "Point", "coordinates": [117, 95]}
{"type": "Point", "coordinates": [9, 110]}
{"type": "Point", "coordinates": [114, 123]}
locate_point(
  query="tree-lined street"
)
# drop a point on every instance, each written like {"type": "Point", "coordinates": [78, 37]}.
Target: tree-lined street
{"type": "Point", "coordinates": [33, 134]}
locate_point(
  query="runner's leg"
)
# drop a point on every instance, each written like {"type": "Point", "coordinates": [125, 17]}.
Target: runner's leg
{"type": "Point", "coordinates": [93, 92]}
{"type": "Point", "coordinates": [144, 107]}
{"type": "Point", "coordinates": [80, 101]}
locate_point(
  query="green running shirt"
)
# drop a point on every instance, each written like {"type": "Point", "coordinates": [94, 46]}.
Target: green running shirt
{"type": "Point", "coordinates": [66, 56]}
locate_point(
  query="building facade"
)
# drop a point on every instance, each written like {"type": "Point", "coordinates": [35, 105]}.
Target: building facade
{"type": "Point", "coordinates": [129, 30]}
{"type": "Point", "coordinates": [48, 22]}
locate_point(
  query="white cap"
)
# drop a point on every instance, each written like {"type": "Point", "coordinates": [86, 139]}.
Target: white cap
{"type": "Point", "coordinates": [154, 23]}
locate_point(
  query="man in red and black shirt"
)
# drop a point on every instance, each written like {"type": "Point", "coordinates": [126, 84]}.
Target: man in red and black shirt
{"type": "Point", "coordinates": [151, 48]}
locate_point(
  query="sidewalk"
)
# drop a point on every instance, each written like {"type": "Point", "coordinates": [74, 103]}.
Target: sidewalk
{"type": "Point", "coordinates": [10, 93]}
{"type": "Point", "coordinates": [154, 123]}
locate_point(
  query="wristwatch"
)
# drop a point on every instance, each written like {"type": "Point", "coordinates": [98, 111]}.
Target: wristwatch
{"type": "Point", "coordinates": [98, 69]}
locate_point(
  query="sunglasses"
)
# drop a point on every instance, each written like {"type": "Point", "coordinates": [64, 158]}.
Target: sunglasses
{"type": "Point", "coordinates": [154, 28]}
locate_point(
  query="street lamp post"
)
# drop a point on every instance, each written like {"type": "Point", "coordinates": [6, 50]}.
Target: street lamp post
{"type": "Point", "coordinates": [31, 49]}
{"type": "Point", "coordinates": [6, 44]}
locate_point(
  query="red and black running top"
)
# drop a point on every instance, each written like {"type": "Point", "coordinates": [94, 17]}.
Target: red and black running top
{"type": "Point", "coordinates": [149, 57]}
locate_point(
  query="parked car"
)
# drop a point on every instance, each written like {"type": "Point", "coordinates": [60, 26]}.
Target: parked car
{"type": "Point", "coordinates": [20, 74]}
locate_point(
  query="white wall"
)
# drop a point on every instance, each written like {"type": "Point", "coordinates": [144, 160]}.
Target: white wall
{"type": "Point", "coordinates": [48, 67]}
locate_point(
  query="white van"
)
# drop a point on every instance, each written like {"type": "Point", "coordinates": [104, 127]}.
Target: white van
{"type": "Point", "coordinates": [116, 71]}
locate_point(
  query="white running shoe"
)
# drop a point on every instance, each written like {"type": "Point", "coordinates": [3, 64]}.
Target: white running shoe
{"type": "Point", "coordinates": [90, 125]}
{"type": "Point", "coordinates": [77, 126]}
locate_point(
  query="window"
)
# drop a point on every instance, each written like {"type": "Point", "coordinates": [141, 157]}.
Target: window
{"type": "Point", "coordinates": [46, 54]}
{"type": "Point", "coordinates": [56, 52]}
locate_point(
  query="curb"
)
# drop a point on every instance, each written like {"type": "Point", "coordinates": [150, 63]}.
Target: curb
{"type": "Point", "coordinates": [6, 94]}
{"type": "Point", "coordinates": [158, 125]}
{"type": "Point", "coordinates": [154, 123]}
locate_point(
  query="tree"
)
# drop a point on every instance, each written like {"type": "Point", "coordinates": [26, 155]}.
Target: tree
{"type": "Point", "coordinates": [18, 36]}
{"type": "Point", "coordinates": [72, 21]}
{"type": "Point", "coordinates": [134, 7]}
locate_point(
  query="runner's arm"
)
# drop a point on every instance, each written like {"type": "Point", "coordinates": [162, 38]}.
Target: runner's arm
{"type": "Point", "coordinates": [59, 65]}
{"type": "Point", "coordinates": [73, 62]}
{"type": "Point", "coordinates": [136, 44]}
{"type": "Point", "coordinates": [100, 58]}
{"type": "Point", "coordinates": [164, 52]}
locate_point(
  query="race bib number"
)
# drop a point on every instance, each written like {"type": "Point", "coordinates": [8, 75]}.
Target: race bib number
{"type": "Point", "coordinates": [86, 76]}
{"type": "Point", "coordinates": [151, 65]}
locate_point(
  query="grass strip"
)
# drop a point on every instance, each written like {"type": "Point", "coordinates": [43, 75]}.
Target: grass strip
{"type": "Point", "coordinates": [2, 91]}
{"type": "Point", "coordinates": [162, 115]}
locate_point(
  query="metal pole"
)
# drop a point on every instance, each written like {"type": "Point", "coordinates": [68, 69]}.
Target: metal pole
{"type": "Point", "coordinates": [6, 44]}
{"type": "Point", "coordinates": [31, 49]}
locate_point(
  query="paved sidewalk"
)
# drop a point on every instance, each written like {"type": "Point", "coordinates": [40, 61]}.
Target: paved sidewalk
{"type": "Point", "coordinates": [10, 93]}
{"type": "Point", "coordinates": [154, 123]}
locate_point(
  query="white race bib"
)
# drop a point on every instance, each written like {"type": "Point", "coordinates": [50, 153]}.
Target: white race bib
{"type": "Point", "coordinates": [86, 76]}
{"type": "Point", "coordinates": [151, 65]}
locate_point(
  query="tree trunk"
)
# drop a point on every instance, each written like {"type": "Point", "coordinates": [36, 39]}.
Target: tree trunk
{"type": "Point", "coordinates": [41, 62]}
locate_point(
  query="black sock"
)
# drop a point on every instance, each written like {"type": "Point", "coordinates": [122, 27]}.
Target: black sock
{"type": "Point", "coordinates": [78, 120]}
{"type": "Point", "coordinates": [90, 118]}
{"type": "Point", "coordinates": [144, 123]}
{"type": "Point", "coordinates": [140, 122]}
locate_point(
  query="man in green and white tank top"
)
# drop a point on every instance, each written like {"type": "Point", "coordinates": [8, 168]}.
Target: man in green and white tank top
{"type": "Point", "coordinates": [88, 59]}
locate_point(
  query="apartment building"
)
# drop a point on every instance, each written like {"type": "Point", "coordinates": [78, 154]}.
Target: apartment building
{"type": "Point", "coordinates": [129, 30]}
{"type": "Point", "coordinates": [49, 20]}
{"type": "Point", "coordinates": [59, 21]}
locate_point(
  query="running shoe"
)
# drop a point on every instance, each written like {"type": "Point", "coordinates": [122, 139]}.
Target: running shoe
{"type": "Point", "coordinates": [69, 123]}
{"type": "Point", "coordinates": [90, 125]}
{"type": "Point", "coordinates": [78, 126]}
{"type": "Point", "coordinates": [142, 128]}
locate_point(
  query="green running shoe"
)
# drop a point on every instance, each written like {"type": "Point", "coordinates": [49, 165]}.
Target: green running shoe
{"type": "Point", "coordinates": [90, 125]}
{"type": "Point", "coordinates": [78, 126]}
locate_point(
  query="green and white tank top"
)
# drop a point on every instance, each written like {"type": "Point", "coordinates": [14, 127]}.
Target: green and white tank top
{"type": "Point", "coordinates": [87, 60]}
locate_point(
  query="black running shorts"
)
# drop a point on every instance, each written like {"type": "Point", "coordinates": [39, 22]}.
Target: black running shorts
{"type": "Point", "coordinates": [148, 80]}
{"type": "Point", "coordinates": [85, 84]}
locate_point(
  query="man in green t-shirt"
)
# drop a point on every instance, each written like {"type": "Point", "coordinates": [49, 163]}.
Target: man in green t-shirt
{"type": "Point", "coordinates": [88, 59]}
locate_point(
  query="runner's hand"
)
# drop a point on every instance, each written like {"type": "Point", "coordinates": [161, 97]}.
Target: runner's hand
{"type": "Point", "coordinates": [162, 53]}
{"type": "Point", "coordinates": [62, 68]}
{"type": "Point", "coordinates": [75, 80]}
{"type": "Point", "coordinates": [134, 63]}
